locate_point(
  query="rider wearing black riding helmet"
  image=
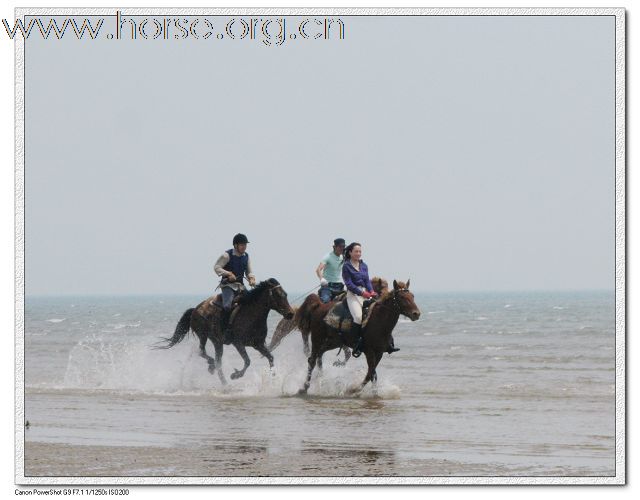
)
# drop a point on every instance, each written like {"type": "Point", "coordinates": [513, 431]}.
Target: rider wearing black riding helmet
{"type": "Point", "coordinates": [233, 266]}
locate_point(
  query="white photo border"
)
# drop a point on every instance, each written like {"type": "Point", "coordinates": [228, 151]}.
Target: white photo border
{"type": "Point", "coordinates": [620, 260]}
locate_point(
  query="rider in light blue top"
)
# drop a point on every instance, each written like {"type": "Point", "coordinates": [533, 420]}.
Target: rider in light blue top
{"type": "Point", "coordinates": [330, 272]}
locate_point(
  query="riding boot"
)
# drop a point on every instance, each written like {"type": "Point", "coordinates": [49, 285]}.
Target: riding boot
{"type": "Point", "coordinates": [226, 328]}
{"type": "Point", "coordinates": [357, 331]}
{"type": "Point", "coordinates": [392, 348]}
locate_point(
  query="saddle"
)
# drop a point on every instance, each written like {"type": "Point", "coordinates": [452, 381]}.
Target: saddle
{"type": "Point", "coordinates": [341, 297]}
{"type": "Point", "coordinates": [340, 318]}
{"type": "Point", "coordinates": [217, 301]}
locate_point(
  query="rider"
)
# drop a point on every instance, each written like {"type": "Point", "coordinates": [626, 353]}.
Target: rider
{"type": "Point", "coordinates": [233, 265]}
{"type": "Point", "coordinates": [330, 272]}
{"type": "Point", "coordinates": [356, 277]}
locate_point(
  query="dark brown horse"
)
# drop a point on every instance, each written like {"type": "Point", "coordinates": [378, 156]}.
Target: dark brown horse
{"type": "Point", "coordinates": [249, 325]}
{"type": "Point", "coordinates": [382, 320]}
{"type": "Point", "coordinates": [286, 326]}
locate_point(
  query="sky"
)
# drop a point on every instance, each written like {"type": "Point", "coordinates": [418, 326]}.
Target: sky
{"type": "Point", "coordinates": [465, 153]}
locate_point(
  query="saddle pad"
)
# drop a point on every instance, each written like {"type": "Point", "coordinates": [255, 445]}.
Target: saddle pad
{"type": "Point", "coordinates": [339, 317]}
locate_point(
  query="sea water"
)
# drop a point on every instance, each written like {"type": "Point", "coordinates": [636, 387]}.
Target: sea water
{"type": "Point", "coordinates": [484, 384]}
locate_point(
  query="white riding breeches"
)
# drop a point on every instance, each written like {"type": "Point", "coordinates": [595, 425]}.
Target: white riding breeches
{"type": "Point", "coordinates": [355, 303]}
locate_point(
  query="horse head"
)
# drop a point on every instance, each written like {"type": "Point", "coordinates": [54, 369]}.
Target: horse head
{"type": "Point", "coordinates": [404, 300]}
{"type": "Point", "coordinates": [278, 299]}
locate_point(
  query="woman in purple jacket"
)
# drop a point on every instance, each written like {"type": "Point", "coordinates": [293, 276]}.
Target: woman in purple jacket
{"type": "Point", "coordinates": [355, 274]}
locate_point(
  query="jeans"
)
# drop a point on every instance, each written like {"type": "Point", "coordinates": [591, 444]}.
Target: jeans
{"type": "Point", "coordinates": [227, 297]}
{"type": "Point", "coordinates": [327, 293]}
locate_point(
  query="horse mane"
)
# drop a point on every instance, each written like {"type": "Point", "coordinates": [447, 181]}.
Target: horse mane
{"type": "Point", "coordinates": [256, 292]}
{"type": "Point", "coordinates": [380, 285]}
{"type": "Point", "coordinates": [386, 292]}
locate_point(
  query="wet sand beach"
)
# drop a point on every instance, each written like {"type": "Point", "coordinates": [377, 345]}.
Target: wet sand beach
{"type": "Point", "coordinates": [47, 459]}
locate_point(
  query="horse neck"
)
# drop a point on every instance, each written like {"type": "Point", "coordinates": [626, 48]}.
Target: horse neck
{"type": "Point", "coordinates": [384, 317]}
{"type": "Point", "coordinates": [259, 308]}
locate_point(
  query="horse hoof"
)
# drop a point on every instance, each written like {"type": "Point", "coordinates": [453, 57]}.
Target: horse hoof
{"type": "Point", "coordinates": [354, 389]}
{"type": "Point", "coordinates": [211, 369]}
{"type": "Point", "coordinates": [302, 392]}
{"type": "Point", "coordinates": [236, 374]}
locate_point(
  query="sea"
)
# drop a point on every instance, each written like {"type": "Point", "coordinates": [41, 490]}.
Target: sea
{"type": "Point", "coordinates": [485, 384]}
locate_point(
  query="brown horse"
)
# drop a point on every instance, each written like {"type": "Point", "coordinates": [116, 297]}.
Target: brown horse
{"type": "Point", "coordinates": [286, 326]}
{"type": "Point", "coordinates": [249, 325]}
{"type": "Point", "coordinates": [383, 318]}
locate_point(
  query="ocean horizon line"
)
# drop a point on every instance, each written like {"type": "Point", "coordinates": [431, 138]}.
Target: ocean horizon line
{"type": "Point", "coordinates": [296, 293]}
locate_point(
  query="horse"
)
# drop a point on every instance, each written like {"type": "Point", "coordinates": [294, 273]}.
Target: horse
{"type": "Point", "coordinates": [286, 326]}
{"type": "Point", "coordinates": [249, 325]}
{"type": "Point", "coordinates": [382, 319]}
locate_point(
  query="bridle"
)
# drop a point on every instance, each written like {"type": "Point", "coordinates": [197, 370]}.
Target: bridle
{"type": "Point", "coordinates": [271, 289]}
{"type": "Point", "coordinates": [395, 305]}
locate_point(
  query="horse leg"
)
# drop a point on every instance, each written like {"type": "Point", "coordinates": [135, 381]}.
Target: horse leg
{"type": "Point", "coordinates": [312, 363]}
{"type": "Point", "coordinates": [324, 347]}
{"type": "Point", "coordinates": [305, 341]}
{"type": "Point", "coordinates": [371, 369]}
{"type": "Point", "coordinates": [347, 355]}
{"type": "Point", "coordinates": [243, 352]}
{"type": "Point", "coordinates": [203, 352]}
{"type": "Point", "coordinates": [264, 350]}
{"type": "Point", "coordinates": [219, 350]}
{"type": "Point", "coordinates": [374, 377]}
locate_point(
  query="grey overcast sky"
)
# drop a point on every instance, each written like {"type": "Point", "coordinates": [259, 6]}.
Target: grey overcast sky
{"type": "Point", "coordinates": [467, 153]}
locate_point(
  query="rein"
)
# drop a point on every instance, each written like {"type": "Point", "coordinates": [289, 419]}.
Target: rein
{"type": "Point", "coordinates": [303, 295]}
{"type": "Point", "coordinates": [395, 306]}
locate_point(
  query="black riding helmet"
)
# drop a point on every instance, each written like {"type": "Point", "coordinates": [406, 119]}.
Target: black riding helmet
{"type": "Point", "coordinates": [239, 239]}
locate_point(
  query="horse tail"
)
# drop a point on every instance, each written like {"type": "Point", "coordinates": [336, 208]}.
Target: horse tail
{"type": "Point", "coordinates": [305, 312]}
{"type": "Point", "coordinates": [182, 328]}
{"type": "Point", "coordinates": [284, 328]}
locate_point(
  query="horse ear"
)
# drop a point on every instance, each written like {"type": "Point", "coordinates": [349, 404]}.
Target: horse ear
{"type": "Point", "coordinates": [395, 285]}
{"type": "Point", "coordinates": [407, 285]}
